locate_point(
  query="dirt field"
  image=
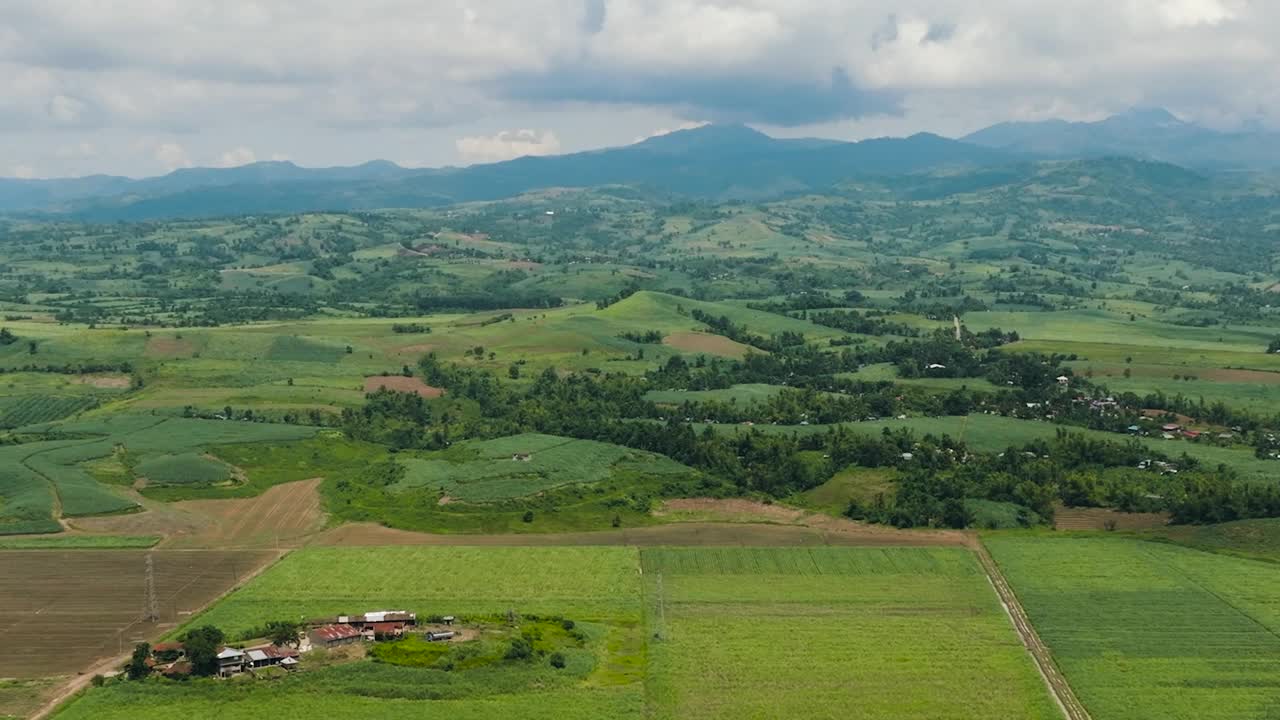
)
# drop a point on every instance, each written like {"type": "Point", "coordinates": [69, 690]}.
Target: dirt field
{"type": "Point", "coordinates": [401, 384]}
{"type": "Point", "coordinates": [281, 517]}
{"type": "Point", "coordinates": [735, 510]}
{"type": "Point", "coordinates": [62, 610]}
{"type": "Point", "coordinates": [1240, 376]}
{"type": "Point", "coordinates": [1098, 518]}
{"type": "Point", "coordinates": [706, 343]}
{"type": "Point", "coordinates": [169, 347]}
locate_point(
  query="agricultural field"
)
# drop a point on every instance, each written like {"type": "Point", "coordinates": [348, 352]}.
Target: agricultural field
{"type": "Point", "coordinates": [1146, 630]}
{"type": "Point", "coordinates": [523, 465]}
{"type": "Point", "coordinates": [42, 482]}
{"type": "Point", "coordinates": [68, 608]}
{"type": "Point", "coordinates": [665, 630]}
{"type": "Point", "coordinates": [831, 633]}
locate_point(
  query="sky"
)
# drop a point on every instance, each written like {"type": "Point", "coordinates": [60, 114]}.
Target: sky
{"type": "Point", "coordinates": [144, 87]}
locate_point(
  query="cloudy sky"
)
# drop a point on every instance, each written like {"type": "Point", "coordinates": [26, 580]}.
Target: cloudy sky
{"type": "Point", "coordinates": [141, 87]}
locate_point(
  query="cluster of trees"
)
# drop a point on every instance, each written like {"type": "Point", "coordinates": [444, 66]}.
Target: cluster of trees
{"type": "Point", "coordinates": [938, 473]}
{"type": "Point", "coordinates": [722, 325]}
{"type": "Point", "coordinates": [867, 323]}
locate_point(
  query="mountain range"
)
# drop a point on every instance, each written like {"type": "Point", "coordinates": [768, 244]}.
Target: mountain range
{"type": "Point", "coordinates": [715, 162]}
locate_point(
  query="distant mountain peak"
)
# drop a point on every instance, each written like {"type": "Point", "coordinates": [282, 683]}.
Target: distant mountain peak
{"type": "Point", "coordinates": [707, 136]}
{"type": "Point", "coordinates": [1147, 116]}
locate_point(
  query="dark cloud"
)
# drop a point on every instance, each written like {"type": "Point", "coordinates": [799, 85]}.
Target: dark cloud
{"type": "Point", "coordinates": [938, 33]}
{"type": "Point", "coordinates": [593, 16]}
{"type": "Point", "coordinates": [771, 101]}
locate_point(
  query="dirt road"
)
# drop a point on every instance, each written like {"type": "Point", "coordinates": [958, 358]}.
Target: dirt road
{"type": "Point", "coordinates": [1071, 707]}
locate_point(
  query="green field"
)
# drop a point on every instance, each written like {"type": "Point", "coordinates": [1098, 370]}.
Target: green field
{"type": "Point", "coordinates": [826, 633]}
{"type": "Point", "coordinates": [481, 471]}
{"type": "Point", "coordinates": [183, 469]}
{"type": "Point", "coordinates": [829, 633]}
{"type": "Point", "coordinates": [1144, 630]}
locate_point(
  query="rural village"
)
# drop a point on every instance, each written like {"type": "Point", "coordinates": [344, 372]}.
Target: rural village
{"type": "Point", "coordinates": [170, 659]}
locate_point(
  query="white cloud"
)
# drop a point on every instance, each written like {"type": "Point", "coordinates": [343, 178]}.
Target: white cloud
{"type": "Point", "coordinates": [345, 82]}
{"type": "Point", "coordinates": [508, 144]}
{"type": "Point", "coordinates": [22, 172]}
{"type": "Point", "coordinates": [236, 157]}
{"type": "Point", "coordinates": [172, 156]}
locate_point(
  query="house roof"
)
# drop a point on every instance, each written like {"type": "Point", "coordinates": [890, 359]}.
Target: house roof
{"type": "Point", "coordinates": [289, 661]}
{"type": "Point", "coordinates": [333, 633]}
{"type": "Point", "coordinates": [230, 652]}
{"type": "Point", "coordinates": [257, 656]}
{"type": "Point", "coordinates": [168, 647]}
{"type": "Point", "coordinates": [181, 667]}
{"type": "Point", "coordinates": [385, 616]}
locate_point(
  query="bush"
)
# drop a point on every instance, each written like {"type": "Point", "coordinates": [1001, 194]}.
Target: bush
{"type": "Point", "coordinates": [557, 660]}
{"type": "Point", "coordinates": [520, 649]}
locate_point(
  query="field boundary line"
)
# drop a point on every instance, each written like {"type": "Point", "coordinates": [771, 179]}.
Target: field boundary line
{"type": "Point", "coordinates": [1059, 688]}
{"type": "Point", "coordinates": [1205, 589]}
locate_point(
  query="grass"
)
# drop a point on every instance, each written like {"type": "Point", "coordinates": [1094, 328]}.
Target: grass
{"type": "Point", "coordinates": [741, 394]}
{"type": "Point", "coordinates": [487, 470]}
{"type": "Point", "coordinates": [852, 483]}
{"type": "Point", "coordinates": [833, 633]}
{"type": "Point", "coordinates": [1250, 538]}
{"type": "Point", "coordinates": [1143, 630]}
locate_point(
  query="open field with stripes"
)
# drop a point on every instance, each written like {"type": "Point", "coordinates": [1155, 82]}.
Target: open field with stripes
{"type": "Point", "coordinates": [823, 632]}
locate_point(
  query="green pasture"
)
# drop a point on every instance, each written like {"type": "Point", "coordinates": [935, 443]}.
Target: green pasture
{"type": "Point", "coordinates": [522, 465]}
{"type": "Point", "coordinates": [1143, 630]}
{"type": "Point", "coordinates": [183, 469]}
{"type": "Point", "coordinates": [740, 394]}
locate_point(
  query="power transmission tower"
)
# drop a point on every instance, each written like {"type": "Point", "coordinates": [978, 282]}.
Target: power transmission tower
{"type": "Point", "coordinates": [153, 604]}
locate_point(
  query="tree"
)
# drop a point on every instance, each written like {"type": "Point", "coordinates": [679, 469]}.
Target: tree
{"type": "Point", "coordinates": [513, 372]}
{"type": "Point", "coordinates": [203, 645]}
{"type": "Point", "coordinates": [137, 667]}
{"type": "Point", "coordinates": [557, 660]}
{"type": "Point", "coordinates": [520, 649]}
{"type": "Point", "coordinates": [528, 516]}
{"type": "Point", "coordinates": [7, 337]}
{"type": "Point", "coordinates": [31, 347]}
{"type": "Point", "coordinates": [283, 632]}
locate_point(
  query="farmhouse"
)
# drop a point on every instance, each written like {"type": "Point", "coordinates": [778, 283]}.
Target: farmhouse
{"type": "Point", "coordinates": [1171, 427]}
{"type": "Point", "coordinates": [330, 636]}
{"type": "Point", "coordinates": [270, 655]}
{"type": "Point", "coordinates": [230, 662]}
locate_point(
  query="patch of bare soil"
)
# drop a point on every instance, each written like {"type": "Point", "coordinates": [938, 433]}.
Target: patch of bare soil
{"type": "Point", "coordinates": [699, 342]}
{"type": "Point", "coordinates": [737, 510]}
{"type": "Point", "coordinates": [169, 347]}
{"type": "Point", "coordinates": [1240, 376]}
{"type": "Point", "coordinates": [400, 383]}
{"type": "Point", "coordinates": [1065, 518]}
{"type": "Point", "coordinates": [283, 516]}
{"type": "Point", "coordinates": [110, 382]}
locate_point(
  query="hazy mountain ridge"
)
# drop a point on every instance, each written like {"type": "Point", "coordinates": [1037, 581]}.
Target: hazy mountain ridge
{"type": "Point", "coordinates": [713, 162]}
{"type": "Point", "coordinates": [1151, 133]}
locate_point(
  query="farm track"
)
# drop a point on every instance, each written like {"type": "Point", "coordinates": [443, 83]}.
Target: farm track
{"type": "Point", "coordinates": [1072, 708]}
